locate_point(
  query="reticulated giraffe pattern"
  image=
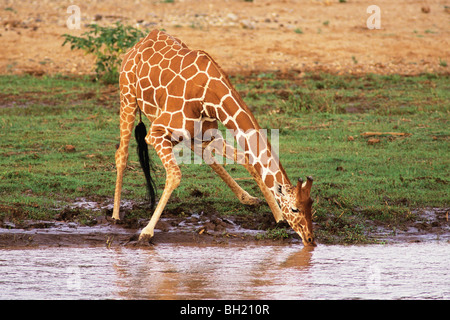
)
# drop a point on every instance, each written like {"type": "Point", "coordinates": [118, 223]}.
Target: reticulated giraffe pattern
{"type": "Point", "coordinates": [180, 90]}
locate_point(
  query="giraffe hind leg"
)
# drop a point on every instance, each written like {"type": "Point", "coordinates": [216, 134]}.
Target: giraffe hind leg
{"type": "Point", "coordinates": [163, 147]}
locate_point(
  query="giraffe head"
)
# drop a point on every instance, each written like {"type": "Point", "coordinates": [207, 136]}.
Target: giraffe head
{"type": "Point", "coordinates": [296, 206]}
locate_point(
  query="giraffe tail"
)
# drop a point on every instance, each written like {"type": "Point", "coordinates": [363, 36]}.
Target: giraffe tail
{"type": "Point", "coordinates": [140, 133]}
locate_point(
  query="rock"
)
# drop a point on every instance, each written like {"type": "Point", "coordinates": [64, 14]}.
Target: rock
{"type": "Point", "coordinates": [209, 226]}
{"type": "Point", "coordinates": [232, 17]}
{"type": "Point", "coordinates": [247, 24]}
{"type": "Point", "coordinates": [163, 226]}
{"type": "Point", "coordinates": [69, 148]}
{"type": "Point", "coordinates": [7, 225]}
{"type": "Point", "coordinates": [426, 9]}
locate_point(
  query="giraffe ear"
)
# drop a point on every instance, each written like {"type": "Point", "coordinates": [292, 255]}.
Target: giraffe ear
{"type": "Point", "coordinates": [279, 189]}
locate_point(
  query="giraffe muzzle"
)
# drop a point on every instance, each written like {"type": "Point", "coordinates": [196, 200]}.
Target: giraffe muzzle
{"type": "Point", "coordinates": [308, 240]}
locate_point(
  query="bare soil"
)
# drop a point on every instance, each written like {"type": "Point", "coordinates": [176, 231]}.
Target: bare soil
{"type": "Point", "coordinates": [262, 35]}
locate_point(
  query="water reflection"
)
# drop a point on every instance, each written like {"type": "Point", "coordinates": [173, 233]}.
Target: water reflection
{"type": "Point", "coordinates": [412, 270]}
{"type": "Point", "coordinates": [210, 272]}
{"type": "Point", "coordinates": [299, 260]}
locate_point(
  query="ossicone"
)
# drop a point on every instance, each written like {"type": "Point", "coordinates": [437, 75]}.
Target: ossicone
{"type": "Point", "coordinates": [304, 188]}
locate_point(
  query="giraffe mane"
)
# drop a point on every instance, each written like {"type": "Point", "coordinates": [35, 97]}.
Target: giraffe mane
{"type": "Point", "coordinates": [236, 95]}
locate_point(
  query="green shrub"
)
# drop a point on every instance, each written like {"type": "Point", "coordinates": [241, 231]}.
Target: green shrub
{"type": "Point", "coordinates": [107, 44]}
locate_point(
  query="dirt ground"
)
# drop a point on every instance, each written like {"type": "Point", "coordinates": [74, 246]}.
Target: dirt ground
{"type": "Point", "coordinates": [243, 36]}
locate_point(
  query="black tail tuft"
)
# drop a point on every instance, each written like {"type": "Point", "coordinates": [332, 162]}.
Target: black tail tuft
{"type": "Point", "coordinates": [142, 148]}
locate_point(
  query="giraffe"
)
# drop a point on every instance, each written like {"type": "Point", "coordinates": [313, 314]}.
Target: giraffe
{"type": "Point", "coordinates": [179, 90]}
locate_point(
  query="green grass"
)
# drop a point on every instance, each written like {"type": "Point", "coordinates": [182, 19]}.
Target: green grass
{"type": "Point", "coordinates": [320, 117]}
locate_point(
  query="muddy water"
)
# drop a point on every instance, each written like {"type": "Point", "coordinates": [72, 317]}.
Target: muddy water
{"type": "Point", "coordinates": [165, 271]}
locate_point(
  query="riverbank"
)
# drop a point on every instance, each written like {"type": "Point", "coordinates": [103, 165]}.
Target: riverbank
{"type": "Point", "coordinates": [431, 225]}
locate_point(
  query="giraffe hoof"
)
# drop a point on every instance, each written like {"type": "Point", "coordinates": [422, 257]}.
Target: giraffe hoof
{"type": "Point", "coordinates": [136, 241]}
{"type": "Point", "coordinates": [145, 238]}
{"type": "Point", "coordinates": [118, 216]}
{"type": "Point", "coordinates": [255, 201]}
{"type": "Point", "coordinates": [116, 221]}
{"type": "Point", "coordinates": [249, 200]}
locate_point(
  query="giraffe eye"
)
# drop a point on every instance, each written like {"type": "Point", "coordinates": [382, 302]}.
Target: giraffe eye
{"type": "Point", "coordinates": [294, 210]}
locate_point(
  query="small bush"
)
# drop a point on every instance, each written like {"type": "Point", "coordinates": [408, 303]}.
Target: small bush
{"type": "Point", "coordinates": [107, 44]}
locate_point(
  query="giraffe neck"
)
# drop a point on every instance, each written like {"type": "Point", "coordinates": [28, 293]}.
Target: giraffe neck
{"type": "Point", "coordinates": [236, 116]}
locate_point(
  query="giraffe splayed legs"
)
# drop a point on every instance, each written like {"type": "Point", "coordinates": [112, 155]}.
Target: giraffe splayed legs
{"type": "Point", "coordinates": [176, 89]}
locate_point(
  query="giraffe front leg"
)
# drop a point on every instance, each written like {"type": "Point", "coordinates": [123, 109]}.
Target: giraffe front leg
{"type": "Point", "coordinates": [121, 163]}
{"type": "Point", "coordinates": [243, 196]}
{"type": "Point", "coordinates": [127, 117]}
{"type": "Point", "coordinates": [232, 153]}
{"type": "Point", "coordinates": [207, 154]}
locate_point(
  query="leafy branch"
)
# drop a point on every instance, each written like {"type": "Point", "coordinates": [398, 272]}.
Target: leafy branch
{"type": "Point", "coordinates": [107, 44]}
